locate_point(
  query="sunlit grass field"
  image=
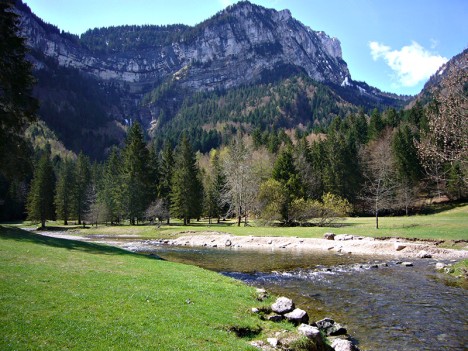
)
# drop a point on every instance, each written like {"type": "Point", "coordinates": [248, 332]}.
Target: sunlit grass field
{"type": "Point", "coordinates": [447, 224]}
{"type": "Point", "coordinates": [68, 295]}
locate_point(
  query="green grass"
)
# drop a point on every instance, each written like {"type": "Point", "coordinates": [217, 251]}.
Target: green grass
{"type": "Point", "coordinates": [449, 224]}
{"type": "Point", "coordinates": [68, 295]}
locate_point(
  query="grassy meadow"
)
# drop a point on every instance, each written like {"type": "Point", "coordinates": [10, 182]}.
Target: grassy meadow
{"type": "Point", "coordinates": [447, 223]}
{"type": "Point", "coordinates": [67, 295]}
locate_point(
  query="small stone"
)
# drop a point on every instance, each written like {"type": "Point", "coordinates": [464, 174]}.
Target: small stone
{"type": "Point", "coordinates": [329, 327]}
{"type": "Point", "coordinates": [297, 316]}
{"type": "Point", "coordinates": [270, 242]}
{"type": "Point", "coordinates": [309, 331]}
{"type": "Point", "coordinates": [424, 254]}
{"type": "Point", "coordinates": [329, 236]}
{"type": "Point", "coordinates": [407, 264]}
{"type": "Point", "coordinates": [275, 318]}
{"type": "Point", "coordinates": [273, 341]}
{"type": "Point", "coordinates": [282, 305]}
{"type": "Point", "coordinates": [255, 310]}
{"type": "Point", "coordinates": [399, 246]}
{"type": "Point", "coordinates": [344, 345]}
{"type": "Point", "coordinates": [228, 243]}
{"type": "Point", "coordinates": [439, 266]}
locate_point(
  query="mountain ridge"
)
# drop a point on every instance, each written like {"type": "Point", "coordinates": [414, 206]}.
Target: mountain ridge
{"type": "Point", "coordinates": [241, 46]}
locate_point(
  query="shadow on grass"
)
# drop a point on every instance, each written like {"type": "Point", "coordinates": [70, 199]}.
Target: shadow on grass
{"type": "Point", "coordinates": [442, 207]}
{"type": "Point", "coordinates": [9, 233]}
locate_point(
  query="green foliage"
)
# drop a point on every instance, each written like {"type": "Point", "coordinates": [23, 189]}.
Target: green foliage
{"type": "Point", "coordinates": [126, 38]}
{"type": "Point", "coordinates": [376, 125]}
{"type": "Point", "coordinates": [406, 155]}
{"type": "Point", "coordinates": [136, 175]}
{"type": "Point", "coordinates": [187, 188]}
{"type": "Point", "coordinates": [65, 191]}
{"type": "Point", "coordinates": [328, 210]}
{"type": "Point", "coordinates": [17, 106]}
{"type": "Point", "coordinates": [111, 187]}
{"type": "Point", "coordinates": [215, 206]}
{"type": "Point", "coordinates": [273, 198]}
{"type": "Point", "coordinates": [83, 179]}
{"type": "Point", "coordinates": [41, 196]}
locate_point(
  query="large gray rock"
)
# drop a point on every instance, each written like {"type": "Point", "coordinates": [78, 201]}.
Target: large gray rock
{"type": "Point", "coordinates": [297, 316]}
{"type": "Point", "coordinates": [330, 327]}
{"type": "Point", "coordinates": [344, 345]}
{"type": "Point", "coordinates": [282, 305]}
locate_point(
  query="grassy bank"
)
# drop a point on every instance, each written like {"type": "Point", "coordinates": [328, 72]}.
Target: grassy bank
{"type": "Point", "coordinates": [68, 295]}
{"type": "Point", "coordinates": [447, 224]}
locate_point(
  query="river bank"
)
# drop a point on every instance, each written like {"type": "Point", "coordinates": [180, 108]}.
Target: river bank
{"type": "Point", "coordinates": [343, 244]}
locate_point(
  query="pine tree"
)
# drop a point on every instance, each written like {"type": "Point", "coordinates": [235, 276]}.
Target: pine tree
{"type": "Point", "coordinates": [111, 188]}
{"type": "Point", "coordinates": [216, 182]}
{"type": "Point", "coordinates": [285, 172]}
{"type": "Point", "coordinates": [136, 175]}
{"type": "Point", "coordinates": [153, 175]}
{"type": "Point", "coordinates": [17, 106]}
{"type": "Point", "coordinates": [83, 179]}
{"type": "Point", "coordinates": [187, 189]}
{"type": "Point", "coordinates": [41, 196]}
{"type": "Point", "coordinates": [376, 125]}
{"type": "Point", "coordinates": [64, 191]}
{"type": "Point", "coordinates": [166, 167]}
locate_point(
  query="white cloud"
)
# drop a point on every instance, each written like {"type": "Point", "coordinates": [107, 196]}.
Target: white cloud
{"type": "Point", "coordinates": [412, 63]}
{"type": "Point", "coordinates": [226, 3]}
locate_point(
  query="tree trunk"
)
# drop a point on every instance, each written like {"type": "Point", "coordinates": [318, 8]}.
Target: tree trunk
{"type": "Point", "coordinates": [185, 221]}
{"type": "Point", "coordinates": [376, 219]}
{"type": "Point", "coordinates": [239, 219]}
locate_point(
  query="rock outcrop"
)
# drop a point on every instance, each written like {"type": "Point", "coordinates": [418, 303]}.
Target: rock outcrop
{"type": "Point", "coordinates": [237, 46]}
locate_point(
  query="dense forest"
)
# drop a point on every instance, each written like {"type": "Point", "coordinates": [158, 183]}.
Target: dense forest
{"type": "Point", "coordinates": [377, 164]}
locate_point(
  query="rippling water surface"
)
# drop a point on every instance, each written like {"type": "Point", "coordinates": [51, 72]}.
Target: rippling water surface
{"type": "Point", "coordinates": [387, 308]}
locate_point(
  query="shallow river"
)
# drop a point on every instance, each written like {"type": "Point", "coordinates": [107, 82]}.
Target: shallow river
{"type": "Point", "coordinates": [387, 308]}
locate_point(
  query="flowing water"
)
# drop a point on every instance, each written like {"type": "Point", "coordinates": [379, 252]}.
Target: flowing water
{"type": "Point", "coordinates": [385, 305]}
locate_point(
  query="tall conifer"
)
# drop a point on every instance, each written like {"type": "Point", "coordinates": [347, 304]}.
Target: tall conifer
{"type": "Point", "coordinates": [41, 196]}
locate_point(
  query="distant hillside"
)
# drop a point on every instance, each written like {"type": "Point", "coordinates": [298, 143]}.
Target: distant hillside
{"type": "Point", "coordinates": [246, 65]}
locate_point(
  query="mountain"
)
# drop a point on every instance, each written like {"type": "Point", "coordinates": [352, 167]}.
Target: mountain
{"type": "Point", "coordinates": [91, 86]}
{"type": "Point", "coordinates": [451, 75]}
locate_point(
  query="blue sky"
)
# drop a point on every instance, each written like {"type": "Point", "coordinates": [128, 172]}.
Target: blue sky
{"type": "Point", "coordinates": [394, 45]}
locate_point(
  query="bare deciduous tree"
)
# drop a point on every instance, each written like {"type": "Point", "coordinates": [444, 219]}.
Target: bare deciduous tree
{"type": "Point", "coordinates": [444, 145]}
{"type": "Point", "coordinates": [379, 174]}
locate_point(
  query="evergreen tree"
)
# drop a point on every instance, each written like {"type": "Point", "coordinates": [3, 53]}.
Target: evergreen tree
{"type": "Point", "coordinates": [216, 182]}
{"type": "Point", "coordinates": [41, 196]}
{"type": "Point", "coordinates": [17, 106]}
{"type": "Point", "coordinates": [166, 174]}
{"type": "Point", "coordinates": [153, 168]}
{"type": "Point", "coordinates": [64, 191]}
{"type": "Point", "coordinates": [136, 174]}
{"type": "Point", "coordinates": [187, 189]}
{"type": "Point", "coordinates": [111, 188]}
{"type": "Point", "coordinates": [376, 125]}
{"type": "Point", "coordinates": [285, 172]}
{"type": "Point", "coordinates": [83, 179]}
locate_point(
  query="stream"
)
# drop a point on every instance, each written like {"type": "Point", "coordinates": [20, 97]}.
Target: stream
{"type": "Point", "coordinates": [384, 305]}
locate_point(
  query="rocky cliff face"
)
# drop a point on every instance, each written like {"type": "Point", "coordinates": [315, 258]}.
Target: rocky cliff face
{"type": "Point", "coordinates": [238, 46]}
